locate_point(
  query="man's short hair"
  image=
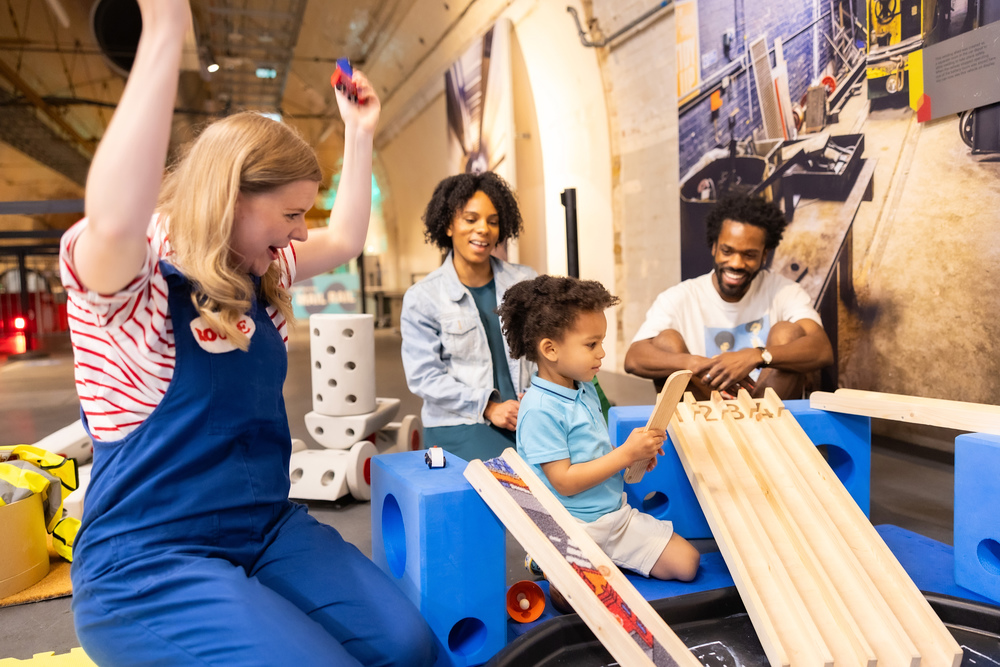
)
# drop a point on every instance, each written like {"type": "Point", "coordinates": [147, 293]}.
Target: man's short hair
{"type": "Point", "coordinates": [750, 211]}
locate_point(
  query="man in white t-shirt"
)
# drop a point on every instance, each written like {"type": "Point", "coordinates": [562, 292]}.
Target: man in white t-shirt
{"type": "Point", "coordinates": [739, 325]}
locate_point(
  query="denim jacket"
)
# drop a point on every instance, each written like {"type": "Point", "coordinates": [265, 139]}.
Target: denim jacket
{"type": "Point", "coordinates": [445, 353]}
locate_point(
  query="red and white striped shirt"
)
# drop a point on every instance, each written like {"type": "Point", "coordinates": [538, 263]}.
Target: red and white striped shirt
{"type": "Point", "coordinates": [123, 343]}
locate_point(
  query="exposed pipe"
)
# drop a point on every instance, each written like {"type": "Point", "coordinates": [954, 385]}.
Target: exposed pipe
{"type": "Point", "coordinates": [629, 26]}
{"type": "Point", "coordinates": [568, 199]}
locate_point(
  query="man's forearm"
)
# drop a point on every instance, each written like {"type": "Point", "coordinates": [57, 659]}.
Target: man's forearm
{"type": "Point", "coordinates": [647, 360]}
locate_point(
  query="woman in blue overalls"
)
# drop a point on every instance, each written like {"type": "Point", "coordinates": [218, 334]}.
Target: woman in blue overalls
{"type": "Point", "coordinates": [190, 552]}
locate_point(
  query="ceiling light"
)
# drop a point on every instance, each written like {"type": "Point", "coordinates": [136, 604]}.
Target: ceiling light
{"type": "Point", "coordinates": [214, 67]}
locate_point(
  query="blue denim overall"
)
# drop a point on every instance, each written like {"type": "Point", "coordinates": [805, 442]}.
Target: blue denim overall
{"type": "Point", "coordinates": [190, 552]}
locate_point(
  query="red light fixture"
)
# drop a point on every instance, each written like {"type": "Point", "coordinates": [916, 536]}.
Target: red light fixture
{"type": "Point", "coordinates": [19, 323]}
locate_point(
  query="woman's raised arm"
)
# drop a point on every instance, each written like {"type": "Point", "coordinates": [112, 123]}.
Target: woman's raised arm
{"type": "Point", "coordinates": [344, 238]}
{"type": "Point", "coordinates": [124, 179]}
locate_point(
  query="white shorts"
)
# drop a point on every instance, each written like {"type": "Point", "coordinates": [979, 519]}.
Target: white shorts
{"type": "Point", "coordinates": [631, 539]}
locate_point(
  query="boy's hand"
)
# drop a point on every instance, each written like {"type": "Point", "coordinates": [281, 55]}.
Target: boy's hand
{"type": "Point", "coordinates": [644, 444]}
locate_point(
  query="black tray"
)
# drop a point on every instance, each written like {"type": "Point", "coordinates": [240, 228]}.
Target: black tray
{"type": "Point", "coordinates": [714, 625]}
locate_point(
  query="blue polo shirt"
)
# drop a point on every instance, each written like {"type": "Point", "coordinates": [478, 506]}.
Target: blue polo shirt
{"type": "Point", "coordinates": [555, 423]}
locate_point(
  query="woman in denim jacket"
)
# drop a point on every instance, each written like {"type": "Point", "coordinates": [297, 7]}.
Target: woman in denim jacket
{"type": "Point", "coordinates": [454, 354]}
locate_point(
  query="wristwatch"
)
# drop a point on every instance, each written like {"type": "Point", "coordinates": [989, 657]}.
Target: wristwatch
{"type": "Point", "coordinates": [765, 358]}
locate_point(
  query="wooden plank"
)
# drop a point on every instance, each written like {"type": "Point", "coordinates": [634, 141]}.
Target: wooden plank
{"type": "Point", "coordinates": [663, 410]}
{"type": "Point", "coordinates": [620, 618]}
{"type": "Point", "coordinates": [762, 621]}
{"type": "Point", "coordinates": [863, 615]}
{"type": "Point", "coordinates": [976, 417]}
{"type": "Point", "coordinates": [936, 645]}
{"type": "Point", "coordinates": [796, 624]}
{"type": "Point", "coordinates": [777, 613]}
{"type": "Point", "coordinates": [805, 565]}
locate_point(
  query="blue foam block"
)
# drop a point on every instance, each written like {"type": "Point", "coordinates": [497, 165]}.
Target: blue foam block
{"type": "Point", "coordinates": [977, 499]}
{"type": "Point", "coordinates": [712, 574]}
{"type": "Point", "coordinates": [664, 492]}
{"type": "Point", "coordinates": [437, 539]}
{"type": "Point", "coordinates": [929, 563]}
{"type": "Point", "coordinates": [848, 441]}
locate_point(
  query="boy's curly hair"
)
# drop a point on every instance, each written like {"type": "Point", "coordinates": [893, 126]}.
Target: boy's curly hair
{"type": "Point", "coordinates": [450, 197]}
{"type": "Point", "coordinates": [547, 307]}
{"type": "Point", "coordinates": [750, 211]}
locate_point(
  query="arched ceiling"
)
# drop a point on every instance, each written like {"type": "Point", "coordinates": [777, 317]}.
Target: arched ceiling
{"type": "Point", "coordinates": [58, 88]}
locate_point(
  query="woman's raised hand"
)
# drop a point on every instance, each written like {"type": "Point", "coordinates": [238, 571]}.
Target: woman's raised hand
{"type": "Point", "coordinates": [363, 114]}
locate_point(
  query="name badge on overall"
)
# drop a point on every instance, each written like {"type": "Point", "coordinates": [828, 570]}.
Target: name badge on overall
{"type": "Point", "coordinates": [212, 341]}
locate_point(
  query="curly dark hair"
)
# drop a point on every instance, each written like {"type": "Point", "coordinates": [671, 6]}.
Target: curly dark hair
{"type": "Point", "coordinates": [450, 197]}
{"type": "Point", "coordinates": [750, 211]}
{"type": "Point", "coordinates": [546, 307]}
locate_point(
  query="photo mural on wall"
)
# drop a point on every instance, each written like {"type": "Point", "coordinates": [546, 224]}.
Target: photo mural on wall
{"type": "Point", "coordinates": [891, 209]}
{"type": "Point", "coordinates": [480, 108]}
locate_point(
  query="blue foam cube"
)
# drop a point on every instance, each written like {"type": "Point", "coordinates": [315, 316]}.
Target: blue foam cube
{"type": "Point", "coordinates": [848, 443]}
{"type": "Point", "coordinates": [664, 492]}
{"type": "Point", "coordinates": [437, 539]}
{"type": "Point", "coordinates": [977, 529]}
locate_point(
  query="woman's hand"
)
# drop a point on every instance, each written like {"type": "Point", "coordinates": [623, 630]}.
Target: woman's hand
{"type": "Point", "coordinates": [363, 114]}
{"type": "Point", "coordinates": [502, 415]}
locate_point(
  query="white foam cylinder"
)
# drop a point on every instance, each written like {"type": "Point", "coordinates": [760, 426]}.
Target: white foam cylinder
{"type": "Point", "coordinates": [342, 352]}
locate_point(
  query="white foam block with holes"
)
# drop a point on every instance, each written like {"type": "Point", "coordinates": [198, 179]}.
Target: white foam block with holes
{"type": "Point", "coordinates": [342, 359]}
{"type": "Point", "coordinates": [319, 474]}
{"type": "Point", "coordinates": [342, 432]}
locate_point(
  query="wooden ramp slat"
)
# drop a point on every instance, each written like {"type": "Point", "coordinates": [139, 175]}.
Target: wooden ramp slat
{"type": "Point", "coordinates": [621, 619]}
{"type": "Point", "coordinates": [663, 410]}
{"type": "Point", "coordinates": [787, 633]}
{"type": "Point", "coordinates": [819, 584]}
{"type": "Point", "coordinates": [936, 645]}
{"type": "Point", "coordinates": [825, 600]}
{"type": "Point", "coordinates": [976, 417]}
{"type": "Point", "coordinates": [869, 623]}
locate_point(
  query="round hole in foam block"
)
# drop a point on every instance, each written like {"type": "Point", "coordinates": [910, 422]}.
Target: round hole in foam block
{"type": "Point", "coordinates": [393, 536]}
{"type": "Point", "coordinates": [989, 556]}
{"type": "Point", "coordinates": [467, 636]}
{"type": "Point", "coordinates": [839, 460]}
{"type": "Point", "coordinates": [656, 503]}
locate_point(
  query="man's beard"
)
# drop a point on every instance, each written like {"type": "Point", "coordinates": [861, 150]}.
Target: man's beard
{"type": "Point", "coordinates": [734, 292]}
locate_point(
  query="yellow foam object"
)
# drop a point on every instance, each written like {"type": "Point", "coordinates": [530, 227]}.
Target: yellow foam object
{"type": "Point", "coordinates": [916, 75]}
{"type": "Point", "coordinates": [75, 658]}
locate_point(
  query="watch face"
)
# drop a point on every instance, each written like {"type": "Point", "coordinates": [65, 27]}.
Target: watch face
{"type": "Point", "coordinates": [766, 356]}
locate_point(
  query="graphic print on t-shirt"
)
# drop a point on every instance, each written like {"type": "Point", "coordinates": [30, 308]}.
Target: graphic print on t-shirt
{"type": "Point", "coordinates": [728, 339]}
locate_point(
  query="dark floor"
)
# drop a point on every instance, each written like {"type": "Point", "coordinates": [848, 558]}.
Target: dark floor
{"type": "Point", "coordinates": [911, 488]}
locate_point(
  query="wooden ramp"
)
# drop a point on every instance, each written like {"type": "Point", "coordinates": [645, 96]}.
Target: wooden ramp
{"type": "Point", "coordinates": [819, 584]}
{"type": "Point", "coordinates": [616, 613]}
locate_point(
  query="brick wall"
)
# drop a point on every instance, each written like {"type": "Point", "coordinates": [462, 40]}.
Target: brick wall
{"type": "Point", "coordinates": [750, 19]}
